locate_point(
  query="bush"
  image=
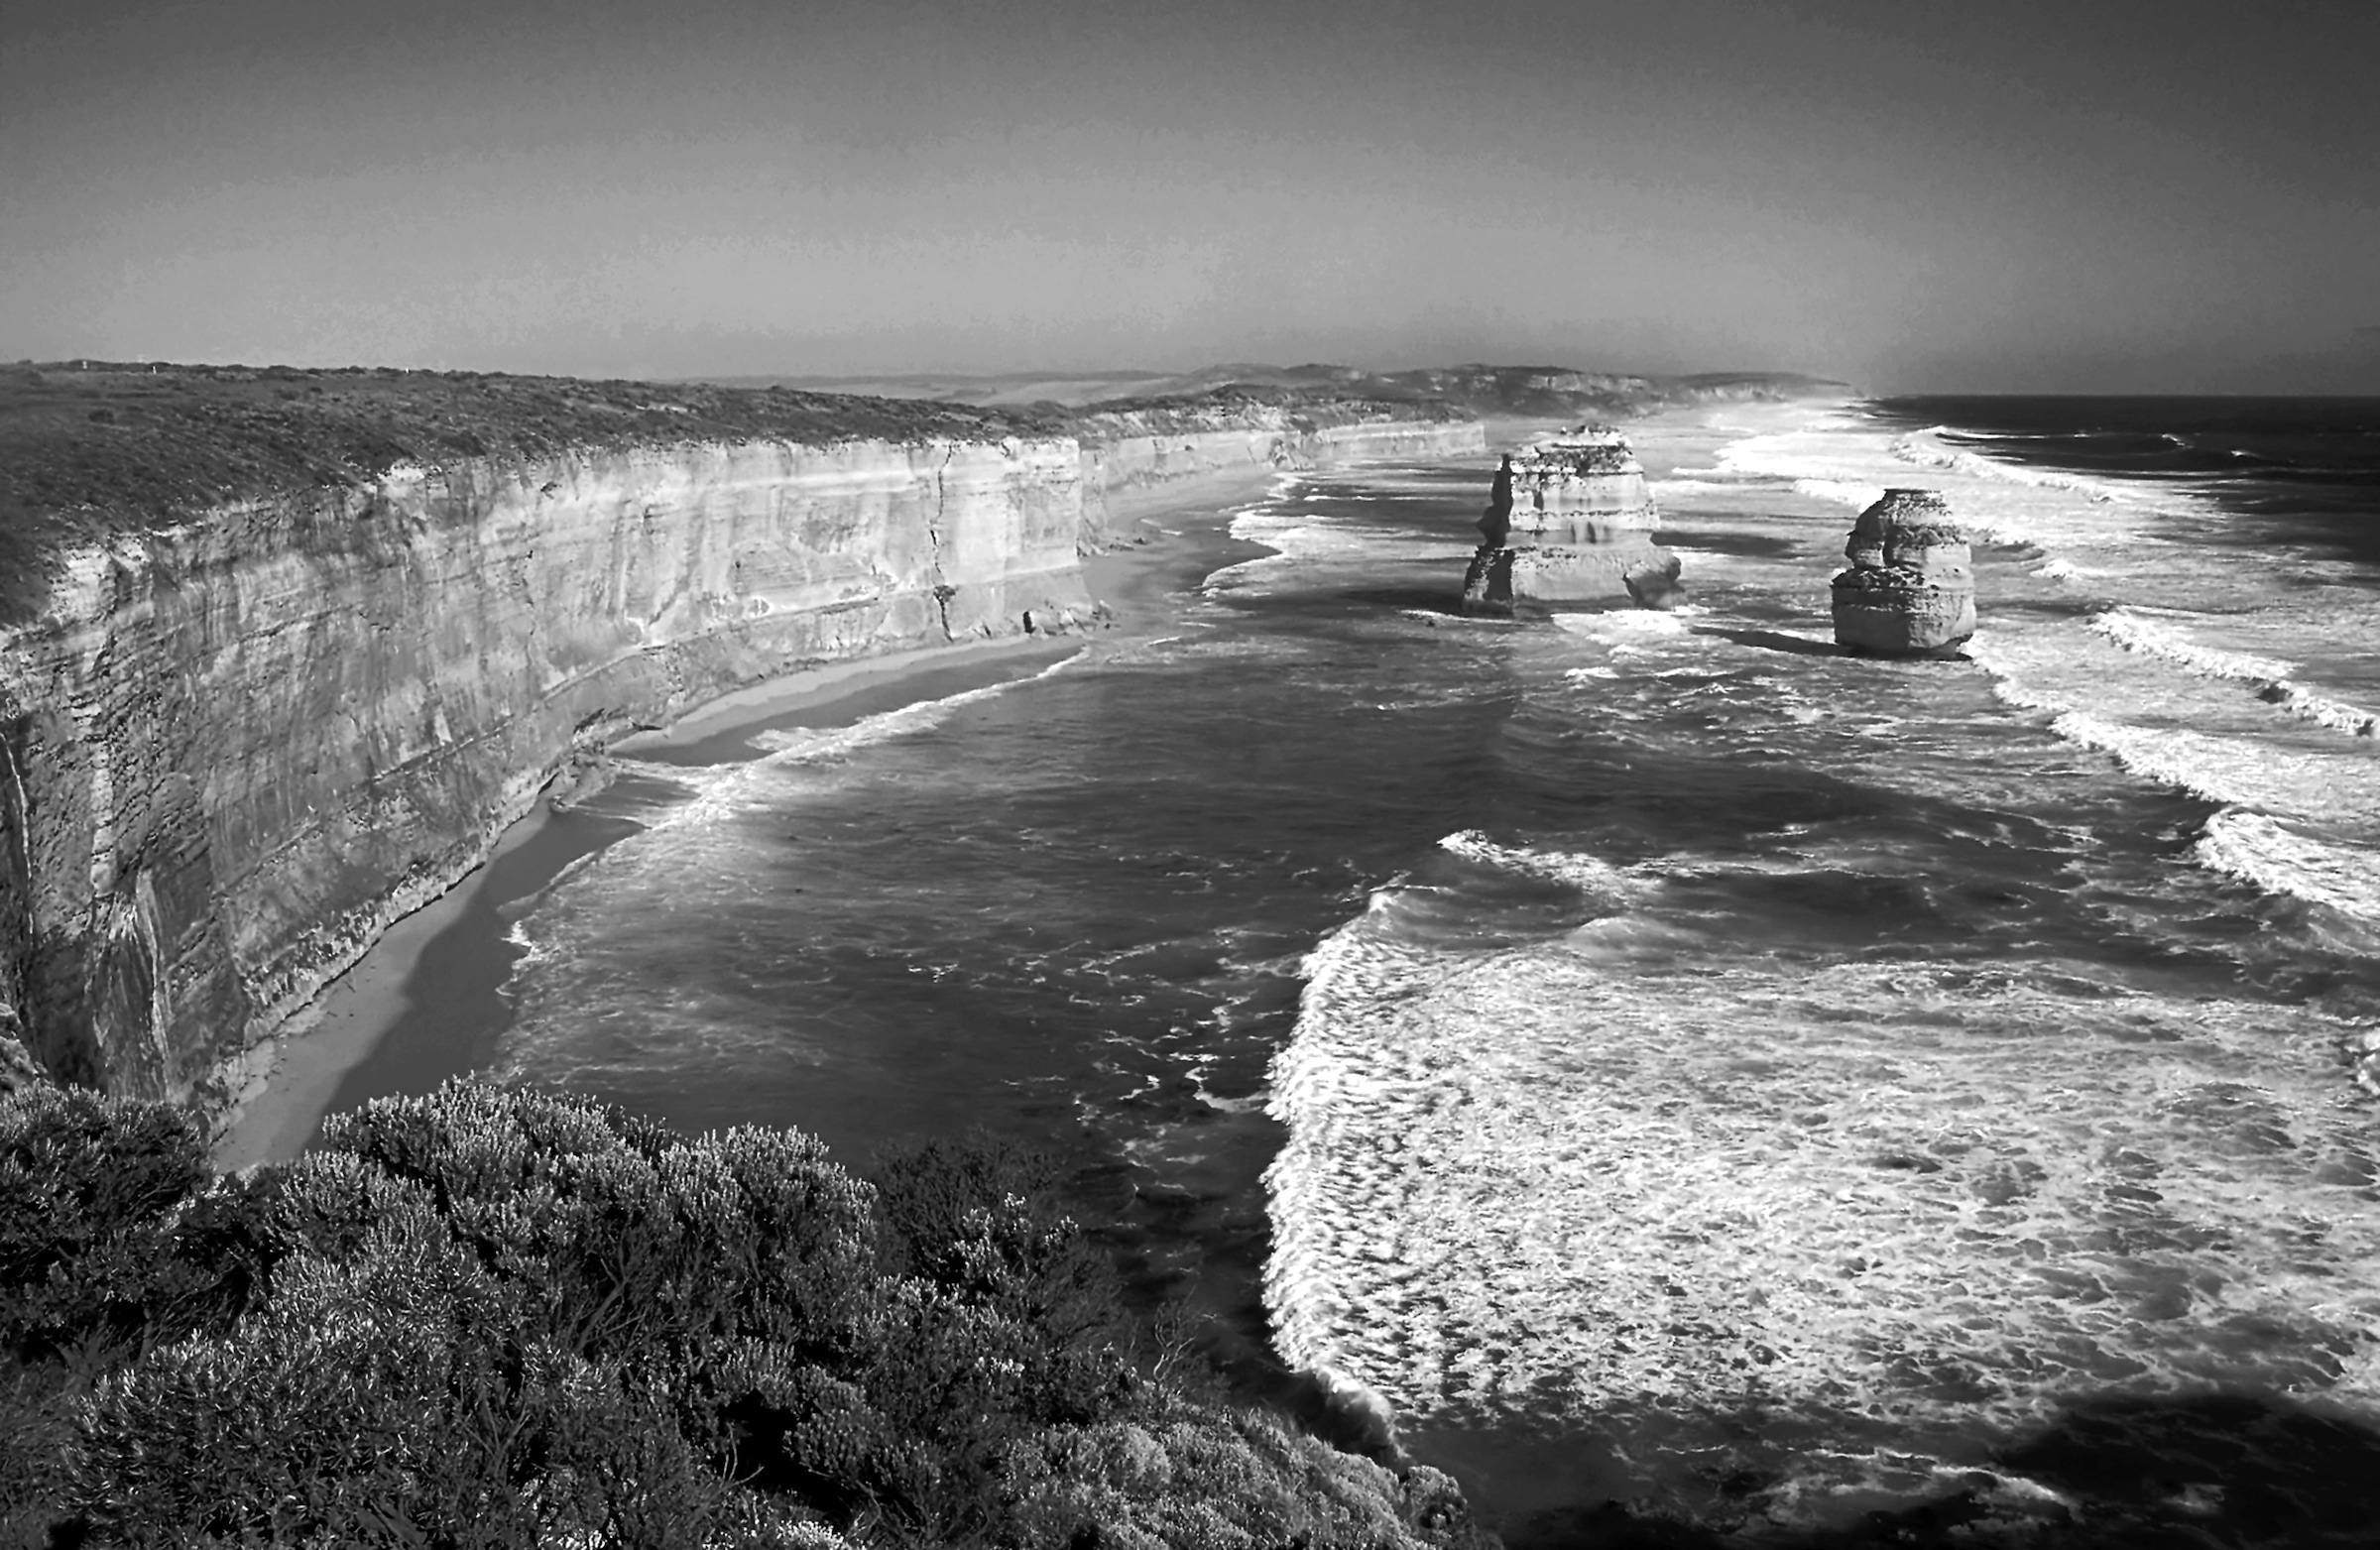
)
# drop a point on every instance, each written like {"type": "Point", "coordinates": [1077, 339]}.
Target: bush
{"type": "Point", "coordinates": [493, 1318]}
{"type": "Point", "coordinates": [1197, 1480]}
{"type": "Point", "coordinates": [96, 1245]}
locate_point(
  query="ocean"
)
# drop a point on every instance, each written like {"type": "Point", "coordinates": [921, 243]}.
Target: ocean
{"type": "Point", "coordinates": [1664, 1059]}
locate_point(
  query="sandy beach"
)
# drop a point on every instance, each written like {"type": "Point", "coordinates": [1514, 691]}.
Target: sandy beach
{"type": "Point", "coordinates": [426, 1002]}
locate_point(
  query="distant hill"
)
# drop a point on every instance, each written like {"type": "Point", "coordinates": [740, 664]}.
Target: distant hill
{"type": "Point", "coordinates": [1482, 389]}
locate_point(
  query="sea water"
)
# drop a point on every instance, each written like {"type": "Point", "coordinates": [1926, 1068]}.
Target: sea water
{"type": "Point", "coordinates": [1664, 1058]}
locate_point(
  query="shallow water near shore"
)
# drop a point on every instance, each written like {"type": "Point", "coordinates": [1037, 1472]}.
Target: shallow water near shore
{"type": "Point", "coordinates": [1667, 1060]}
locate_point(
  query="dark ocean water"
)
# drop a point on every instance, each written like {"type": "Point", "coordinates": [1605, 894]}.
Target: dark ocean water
{"type": "Point", "coordinates": [1665, 1060]}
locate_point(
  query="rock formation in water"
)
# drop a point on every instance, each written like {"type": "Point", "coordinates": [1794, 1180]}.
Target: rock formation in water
{"type": "Point", "coordinates": [1571, 521]}
{"type": "Point", "coordinates": [249, 721]}
{"type": "Point", "coordinates": [1911, 587]}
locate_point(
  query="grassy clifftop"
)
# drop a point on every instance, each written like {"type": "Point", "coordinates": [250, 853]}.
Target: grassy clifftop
{"type": "Point", "coordinates": [1483, 388]}
{"type": "Point", "coordinates": [95, 450]}
{"type": "Point", "coordinates": [1304, 409]}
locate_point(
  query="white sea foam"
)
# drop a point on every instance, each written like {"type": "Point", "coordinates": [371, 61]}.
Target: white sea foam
{"type": "Point", "coordinates": [2269, 676]}
{"type": "Point", "coordinates": [2273, 794]}
{"type": "Point", "coordinates": [1868, 1201]}
{"type": "Point", "coordinates": [1298, 536]}
{"type": "Point", "coordinates": [725, 787]}
{"type": "Point", "coordinates": [2136, 632]}
{"type": "Point", "coordinates": [2232, 771]}
{"type": "Point", "coordinates": [2261, 850]}
{"type": "Point", "coordinates": [806, 745]}
{"type": "Point", "coordinates": [1842, 492]}
{"type": "Point", "coordinates": [1627, 626]}
{"type": "Point", "coordinates": [1589, 874]}
{"type": "Point", "coordinates": [1925, 450]}
{"type": "Point", "coordinates": [1690, 486]}
{"type": "Point", "coordinates": [529, 949]}
{"type": "Point", "coordinates": [2338, 715]}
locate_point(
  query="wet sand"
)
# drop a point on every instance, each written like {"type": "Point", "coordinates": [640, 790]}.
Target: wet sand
{"type": "Point", "coordinates": [426, 1004]}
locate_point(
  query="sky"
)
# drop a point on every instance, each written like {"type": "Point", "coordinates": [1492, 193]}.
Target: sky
{"type": "Point", "coordinates": [2087, 195]}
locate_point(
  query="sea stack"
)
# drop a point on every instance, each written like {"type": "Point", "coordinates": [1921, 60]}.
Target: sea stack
{"type": "Point", "coordinates": [1571, 521]}
{"type": "Point", "coordinates": [1911, 589]}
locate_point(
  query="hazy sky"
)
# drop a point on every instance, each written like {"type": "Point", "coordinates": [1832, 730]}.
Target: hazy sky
{"type": "Point", "coordinates": [2089, 194]}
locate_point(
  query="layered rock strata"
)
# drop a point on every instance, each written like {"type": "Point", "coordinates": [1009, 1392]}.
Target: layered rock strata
{"type": "Point", "coordinates": [1127, 449]}
{"type": "Point", "coordinates": [236, 745]}
{"type": "Point", "coordinates": [1569, 521]}
{"type": "Point", "coordinates": [1910, 590]}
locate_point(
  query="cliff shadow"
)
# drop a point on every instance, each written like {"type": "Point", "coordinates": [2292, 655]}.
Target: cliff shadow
{"type": "Point", "coordinates": [1743, 546]}
{"type": "Point", "coordinates": [1444, 598]}
{"type": "Point", "coordinates": [1773, 641]}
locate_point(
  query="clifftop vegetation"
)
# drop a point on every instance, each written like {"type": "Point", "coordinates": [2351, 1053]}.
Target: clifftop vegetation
{"type": "Point", "coordinates": [92, 449]}
{"type": "Point", "coordinates": [498, 1318]}
{"type": "Point", "coordinates": [96, 448]}
{"type": "Point", "coordinates": [1551, 391]}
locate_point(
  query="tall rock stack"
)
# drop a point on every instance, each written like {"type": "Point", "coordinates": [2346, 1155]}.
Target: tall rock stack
{"type": "Point", "coordinates": [1571, 521]}
{"type": "Point", "coordinates": [1911, 589]}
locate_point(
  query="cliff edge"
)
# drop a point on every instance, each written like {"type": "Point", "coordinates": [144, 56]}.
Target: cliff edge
{"type": "Point", "coordinates": [282, 652]}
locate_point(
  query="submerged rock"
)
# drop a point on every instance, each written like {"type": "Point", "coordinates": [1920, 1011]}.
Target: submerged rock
{"type": "Point", "coordinates": [1911, 589]}
{"type": "Point", "coordinates": [1571, 521]}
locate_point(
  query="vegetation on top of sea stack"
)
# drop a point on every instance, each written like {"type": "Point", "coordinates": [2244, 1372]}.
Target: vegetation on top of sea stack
{"type": "Point", "coordinates": [500, 1318]}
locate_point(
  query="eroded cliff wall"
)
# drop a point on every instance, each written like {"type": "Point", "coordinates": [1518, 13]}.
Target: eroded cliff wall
{"type": "Point", "coordinates": [1127, 451]}
{"type": "Point", "coordinates": [235, 748]}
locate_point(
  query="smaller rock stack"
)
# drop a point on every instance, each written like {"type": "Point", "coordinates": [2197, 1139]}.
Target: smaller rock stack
{"type": "Point", "coordinates": [1911, 589]}
{"type": "Point", "coordinates": [1570, 521]}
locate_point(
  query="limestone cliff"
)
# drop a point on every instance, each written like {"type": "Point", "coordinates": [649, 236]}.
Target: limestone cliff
{"type": "Point", "coordinates": [241, 745]}
{"type": "Point", "coordinates": [1129, 446]}
{"type": "Point", "coordinates": [239, 738]}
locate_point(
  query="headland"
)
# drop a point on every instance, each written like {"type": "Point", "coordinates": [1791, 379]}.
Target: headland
{"type": "Point", "coordinates": [285, 653]}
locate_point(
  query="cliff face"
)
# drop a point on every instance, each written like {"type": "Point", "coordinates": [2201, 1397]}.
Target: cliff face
{"type": "Point", "coordinates": [237, 748]}
{"type": "Point", "coordinates": [234, 748]}
{"type": "Point", "coordinates": [1125, 449]}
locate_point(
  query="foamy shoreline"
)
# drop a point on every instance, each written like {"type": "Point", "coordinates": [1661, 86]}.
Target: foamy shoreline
{"type": "Point", "coordinates": [315, 1052]}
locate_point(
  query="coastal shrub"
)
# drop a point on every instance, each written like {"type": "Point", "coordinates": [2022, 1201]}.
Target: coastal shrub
{"type": "Point", "coordinates": [98, 1239]}
{"type": "Point", "coordinates": [623, 1237]}
{"type": "Point", "coordinates": [360, 1402]}
{"type": "Point", "coordinates": [493, 1317]}
{"type": "Point", "coordinates": [1189, 1478]}
{"type": "Point", "coordinates": [979, 1219]}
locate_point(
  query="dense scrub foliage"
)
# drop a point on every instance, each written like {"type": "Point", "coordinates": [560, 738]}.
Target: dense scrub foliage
{"type": "Point", "coordinates": [500, 1318]}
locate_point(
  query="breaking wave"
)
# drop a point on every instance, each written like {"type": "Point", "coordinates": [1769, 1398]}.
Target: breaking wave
{"type": "Point", "coordinates": [1589, 874]}
{"type": "Point", "coordinates": [2133, 631]}
{"type": "Point", "coordinates": [1739, 1201]}
{"type": "Point", "coordinates": [2261, 850]}
{"type": "Point", "coordinates": [723, 788]}
{"type": "Point", "coordinates": [2269, 676]}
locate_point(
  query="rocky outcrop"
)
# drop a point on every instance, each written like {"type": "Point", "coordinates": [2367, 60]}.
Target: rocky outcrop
{"type": "Point", "coordinates": [1910, 590]}
{"type": "Point", "coordinates": [235, 746]}
{"type": "Point", "coordinates": [1570, 521]}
